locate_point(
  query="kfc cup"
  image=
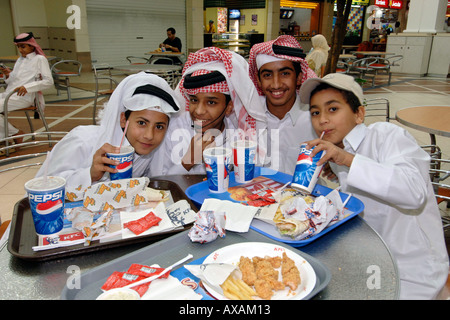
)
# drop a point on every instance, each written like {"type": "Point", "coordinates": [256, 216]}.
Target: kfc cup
{"type": "Point", "coordinates": [125, 167]}
{"type": "Point", "coordinates": [217, 161]}
{"type": "Point", "coordinates": [244, 155]}
{"type": "Point", "coordinates": [46, 198]}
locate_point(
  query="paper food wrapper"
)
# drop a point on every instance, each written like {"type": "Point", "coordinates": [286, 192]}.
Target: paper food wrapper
{"type": "Point", "coordinates": [116, 194]}
{"type": "Point", "coordinates": [169, 289]}
{"type": "Point", "coordinates": [213, 273]}
{"type": "Point", "coordinates": [238, 216]}
{"type": "Point", "coordinates": [310, 219]}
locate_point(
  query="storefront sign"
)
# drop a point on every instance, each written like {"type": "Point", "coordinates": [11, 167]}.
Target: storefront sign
{"type": "Point", "coordinates": [396, 4]}
{"type": "Point", "coordinates": [393, 4]}
{"type": "Point", "coordinates": [382, 3]}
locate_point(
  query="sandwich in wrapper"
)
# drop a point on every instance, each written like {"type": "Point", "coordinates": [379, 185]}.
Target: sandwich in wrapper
{"type": "Point", "coordinates": [292, 227]}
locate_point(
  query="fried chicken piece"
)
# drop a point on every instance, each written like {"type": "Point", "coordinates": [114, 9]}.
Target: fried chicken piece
{"type": "Point", "coordinates": [248, 270]}
{"type": "Point", "coordinates": [274, 261]}
{"type": "Point", "coordinates": [265, 271]}
{"type": "Point", "coordinates": [263, 289]}
{"type": "Point", "coordinates": [290, 273]}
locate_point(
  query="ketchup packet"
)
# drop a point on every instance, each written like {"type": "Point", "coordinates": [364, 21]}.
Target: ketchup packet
{"type": "Point", "coordinates": [146, 271]}
{"type": "Point", "coordinates": [142, 224]}
{"type": "Point", "coordinates": [120, 279]}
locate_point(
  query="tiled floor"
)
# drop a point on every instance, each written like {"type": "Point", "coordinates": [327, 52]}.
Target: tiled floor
{"type": "Point", "coordinates": [64, 115]}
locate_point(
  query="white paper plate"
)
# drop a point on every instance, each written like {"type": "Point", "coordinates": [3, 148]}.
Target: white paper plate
{"type": "Point", "coordinates": [231, 254]}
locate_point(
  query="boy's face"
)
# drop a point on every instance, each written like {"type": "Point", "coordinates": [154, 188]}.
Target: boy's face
{"type": "Point", "coordinates": [279, 82]}
{"type": "Point", "coordinates": [146, 129]}
{"type": "Point", "coordinates": [25, 49]}
{"type": "Point", "coordinates": [331, 113]}
{"type": "Point", "coordinates": [207, 110]}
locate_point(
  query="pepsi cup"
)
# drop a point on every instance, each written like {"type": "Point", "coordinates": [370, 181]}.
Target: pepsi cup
{"type": "Point", "coordinates": [217, 162]}
{"type": "Point", "coordinates": [244, 156]}
{"type": "Point", "coordinates": [125, 167]}
{"type": "Point", "coordinates": [306, 170]}
{"type": "Point", "coordinates": [47, 204]}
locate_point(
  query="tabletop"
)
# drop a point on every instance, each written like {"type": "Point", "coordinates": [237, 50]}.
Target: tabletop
{"type": "Point", "coordinates": [165, 53]}
{"type": "Point", "coordinates": [155, 68]}
{"type": "Point", "coordinates": [430, 119]}
{"type": "Point", "coordinates": [372, 53]}
{"type": "Point", "coordinates": [354, 253]}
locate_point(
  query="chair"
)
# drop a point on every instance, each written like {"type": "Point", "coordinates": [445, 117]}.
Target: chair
{"type": "Point", "coordinates": [441, 190]}
{"type": "Point", "coordinates": [62, 77]}
{"type": "Point", "coordinates": [394, 60]}
{"type": "Point", "coordinates": [137, 60]}
{"type": "Point", "coordinates": [38, 107]}
{"type": "Point", "coordinates": [161, 60]}
{"type": "Point", "coordinates": [382, 64]}
{"type": "Point", "coordinates": [361, 68]}
{"type": "Point", "coordinates": [102, 72]}
{"type": "Point", "coordinates": [378, 107]}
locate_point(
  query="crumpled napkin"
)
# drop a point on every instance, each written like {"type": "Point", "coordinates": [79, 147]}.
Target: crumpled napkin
{"type": "Point", "coordinates": [208, 226]}
{"type": "Point", "coordinates": [116, 194]}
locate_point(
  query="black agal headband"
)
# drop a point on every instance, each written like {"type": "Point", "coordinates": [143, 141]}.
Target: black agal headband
{"type": "Point", "coordinates": [157, 92]}
{"type": "Point", "coordinates": [288, 51]}
{"type": "Point", "coordinates": [203, 80]}
{"type": "Point", "coordinates": [30, 35]}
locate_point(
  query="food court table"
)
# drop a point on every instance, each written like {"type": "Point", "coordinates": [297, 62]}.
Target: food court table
{"type": "Point", "coordinates": [356, 256]}
{"type": "Point", "coordinates": [372, 53]}
{"type": "Point", "coordinates": [153, 68]}
{"type": "Point", "coordinates": [431, 119]}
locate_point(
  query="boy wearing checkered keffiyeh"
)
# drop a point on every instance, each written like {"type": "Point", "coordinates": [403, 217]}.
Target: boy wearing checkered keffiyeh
{"type": "Point", "coordinates": [216, 90]}
{"type": "Point", "coordinates": [278, 68]}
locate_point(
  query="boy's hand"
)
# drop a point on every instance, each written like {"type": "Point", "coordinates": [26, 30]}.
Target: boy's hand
{"type": "Point", "coordinates": [333, 153]}
{"type": "Point", "coordinates": [100, 162]}
{"type": "Point", "coordinates": [194, 154]}
{"type": "Point", "coordinates": [21, 91]}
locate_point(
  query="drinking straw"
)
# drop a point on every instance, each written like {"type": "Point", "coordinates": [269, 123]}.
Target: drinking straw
{"type": "Point", "coordinates": [321, 136]}
{"type": "Point", "coordinates": [45, 165]}
{"type": "Point", "coordinates": [124, 132]}
{"type": "Point", "coordinates": [134, 284]}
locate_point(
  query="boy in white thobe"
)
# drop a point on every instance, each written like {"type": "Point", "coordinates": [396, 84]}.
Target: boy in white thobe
{"type": "Point", "coordinates": [31, 73]}
{"type": "Point", "coordinates": [216, 89]}
{"type": "Point", "coordinates": [278, 68]}
{"type": "Point", "coordinates": [384, 167]}
{"type": "Point", "coordinates": [80, 157]}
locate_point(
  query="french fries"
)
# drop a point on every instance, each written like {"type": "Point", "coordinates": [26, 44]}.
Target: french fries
{"type": "Point", "coordinates": [236, 289]}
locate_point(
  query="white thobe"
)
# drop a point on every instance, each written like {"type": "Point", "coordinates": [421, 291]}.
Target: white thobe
{"type": "Point", "coordinates": [282, 138]}
{"type": "Point", "coordinates": [71, 158]}
{"type": "Point", "coordinates": [390, 175]}
{"type": "Point", "coordinates": [177, 141]}
{"type": "Point", "coordinates": [32, 72]}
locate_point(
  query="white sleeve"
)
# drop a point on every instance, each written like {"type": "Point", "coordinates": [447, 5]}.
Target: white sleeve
{"type": "Point", "coordinates": [399, 175]}
{"type": "Point", "coordinates": [42, 69]}
{"type": "Point", "coordinates": [71, 158]}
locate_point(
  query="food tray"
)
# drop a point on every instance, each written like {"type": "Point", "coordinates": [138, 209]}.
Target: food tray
{"type": "Point", "coordinates": [168, 251]}
{"type": "Point", "coordinates": [199, 192]}
{"type": "Point", "coordinates": [23, 235]}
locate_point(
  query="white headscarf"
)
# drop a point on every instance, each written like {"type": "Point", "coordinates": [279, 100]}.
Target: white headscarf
{"type": "Point", "coordinates": [123, 99]}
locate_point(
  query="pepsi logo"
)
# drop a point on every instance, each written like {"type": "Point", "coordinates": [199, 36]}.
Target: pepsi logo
{"type": "Point", "coordinates": [48, 207]}
{"type": "Point", "coordinates": [208, 167]}
{"type": "Point", "coordinates": [125, 166]}
{"type": "Point", "coordinates": [46, 197]}
{"type": "Point", "coordinates": [304, 160]}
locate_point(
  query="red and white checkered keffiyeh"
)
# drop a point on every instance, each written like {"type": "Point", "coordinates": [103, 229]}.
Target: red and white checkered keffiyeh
{"type": "Point", "coordinates": [238, 84]}
{"type": "Point", "coordinates": [267, 48]}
